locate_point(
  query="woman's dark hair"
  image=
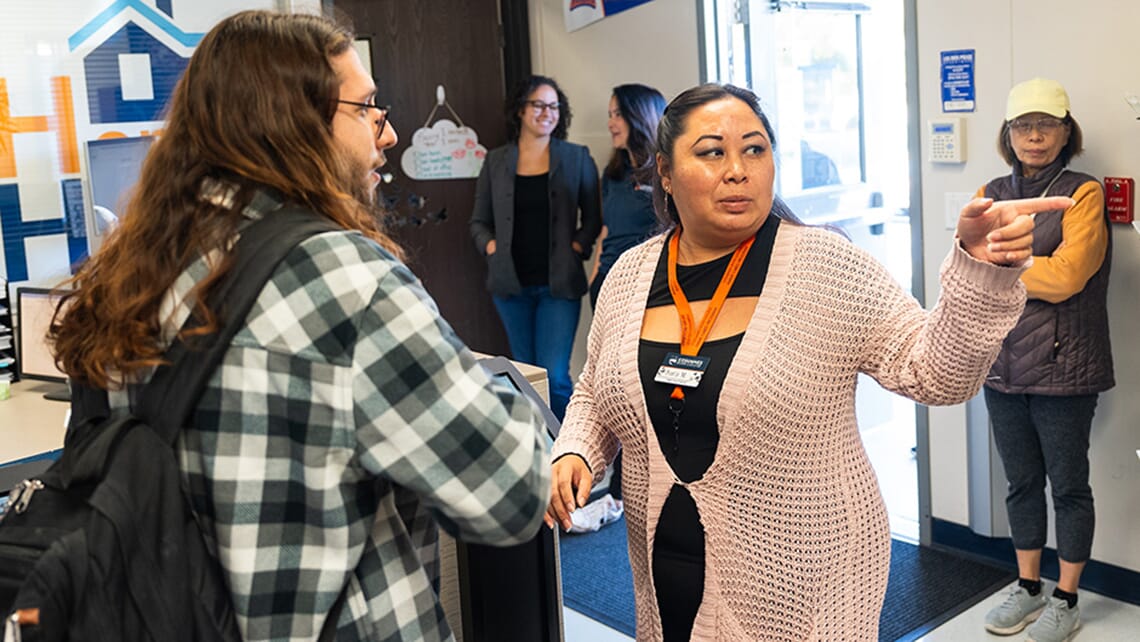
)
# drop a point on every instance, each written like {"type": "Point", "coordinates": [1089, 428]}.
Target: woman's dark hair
{"type": "Point", "coordinates": [516, 102]}
{"type": "Point", "coordinates": [672, 125]}
{"type": "Point", "coordinates": [1073, 148]}
{"type": "Point", "coordinates": [641, 108]}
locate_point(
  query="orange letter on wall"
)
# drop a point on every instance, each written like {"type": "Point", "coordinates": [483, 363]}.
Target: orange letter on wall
{"type": "Point", "coordinates": [62, 122]}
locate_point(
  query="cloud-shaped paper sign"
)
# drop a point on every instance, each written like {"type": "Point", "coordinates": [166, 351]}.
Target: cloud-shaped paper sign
{"type": "Point", "coordinates": [443, 150]}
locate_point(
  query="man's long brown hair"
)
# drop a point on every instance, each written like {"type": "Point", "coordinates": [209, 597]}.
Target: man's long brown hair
{"type": "Point", "coordinates": [253, 110]}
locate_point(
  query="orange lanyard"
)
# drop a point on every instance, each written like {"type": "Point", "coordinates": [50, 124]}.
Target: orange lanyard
{"type": "Point", "coordinates": [692, 335]}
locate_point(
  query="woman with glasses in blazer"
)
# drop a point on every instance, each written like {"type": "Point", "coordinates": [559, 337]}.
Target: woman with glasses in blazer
{"type": "Point", "coordinates": [537, 215]}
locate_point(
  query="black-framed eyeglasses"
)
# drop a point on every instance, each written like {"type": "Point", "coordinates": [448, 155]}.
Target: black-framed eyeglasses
{"type": "Point", "coordinates": [540, 106]}
{"type": "Point", "coordinates": [384, 110]}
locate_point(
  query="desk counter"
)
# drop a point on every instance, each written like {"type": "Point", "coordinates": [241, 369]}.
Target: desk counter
{"type": "Point", "coordinates": [30, 427]}
{"type": "Point", "coordinates": [30, 424]}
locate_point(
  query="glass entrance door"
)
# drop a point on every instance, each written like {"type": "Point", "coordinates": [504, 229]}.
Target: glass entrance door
{"type": "Point", "coordinates": [832, 78]}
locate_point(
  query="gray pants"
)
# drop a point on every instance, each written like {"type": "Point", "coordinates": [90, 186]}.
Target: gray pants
{"type": "Point", "coordinates": [1039, 435]}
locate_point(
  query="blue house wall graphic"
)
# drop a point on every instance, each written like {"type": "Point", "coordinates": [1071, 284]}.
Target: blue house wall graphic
{"type": "Point", "coordinates": [103, 65]}
{"type": "Point", "coordinates": [156, 52]}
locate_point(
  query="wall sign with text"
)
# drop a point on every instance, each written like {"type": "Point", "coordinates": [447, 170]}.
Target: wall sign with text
{"type": "Point", "coordinates": [445, 149]}
{"type": "Point", "coordinates": [958, 80]}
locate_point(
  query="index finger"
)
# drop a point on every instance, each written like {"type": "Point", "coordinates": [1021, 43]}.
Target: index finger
{"type": "Point", "coordinates": [1033, 205]}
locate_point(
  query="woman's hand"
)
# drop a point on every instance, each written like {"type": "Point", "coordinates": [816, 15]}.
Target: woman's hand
{"type": "Point", "coordinates": [1001, 232]}
{"type": "Point", "coordinates": [598, 253]}
{"type": "Point", "coordinates": [490, 249]}
{"type": "Point", "coordinates": [570, 483]}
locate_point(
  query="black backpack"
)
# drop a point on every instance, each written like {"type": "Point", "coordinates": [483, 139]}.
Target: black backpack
{"type": "Point", "coordinates": [104, 545]}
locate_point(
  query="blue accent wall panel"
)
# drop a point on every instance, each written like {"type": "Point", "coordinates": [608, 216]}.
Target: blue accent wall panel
{"type": "Point", "coordinates": [15, 230]}
{"type": "Point", "coordinates": [74, 220]}
{"type": "Point", "coordinates": [15, 263]}
{"type": "Point", "coordinates": [104, 87]}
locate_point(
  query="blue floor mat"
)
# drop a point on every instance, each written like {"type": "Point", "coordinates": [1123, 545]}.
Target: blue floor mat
{"type": "Point", "coordinates": [926, 587]}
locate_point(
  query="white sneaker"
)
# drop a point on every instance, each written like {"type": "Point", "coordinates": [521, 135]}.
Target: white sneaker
{"type": "Point", "coordinates": [1016, 612]}
{"type": "Point", "coordinates": [1058, 623]}
{"type": "Point", "coordinates": [591, 517]}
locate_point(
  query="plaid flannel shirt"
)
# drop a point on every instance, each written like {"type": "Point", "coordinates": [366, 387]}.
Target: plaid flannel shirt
{"type": "Point", "coordinates": [346, 421]}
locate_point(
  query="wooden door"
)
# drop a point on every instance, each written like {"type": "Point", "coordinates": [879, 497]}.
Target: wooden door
{"type": "Point", "coordinates": [416, 46]}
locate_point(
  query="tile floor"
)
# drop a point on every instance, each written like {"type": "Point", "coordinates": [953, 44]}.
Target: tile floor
{"type": "Point", "coordinates": [1102, 620]}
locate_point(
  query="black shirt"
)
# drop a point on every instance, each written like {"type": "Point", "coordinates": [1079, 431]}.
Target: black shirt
{"type": "Point", "coordinates": [690, 450]}
{"type": "Point", "coordinates": [679, 541]}
{"type": "Point", "coordinates": [531, 230]}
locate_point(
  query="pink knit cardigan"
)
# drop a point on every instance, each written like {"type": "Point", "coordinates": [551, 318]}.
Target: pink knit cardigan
{"type": "Point", "coordinates": [797, 543]}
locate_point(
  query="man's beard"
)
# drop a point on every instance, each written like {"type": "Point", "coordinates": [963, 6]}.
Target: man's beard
{"type": "Point", "coordinates": [365, 192]}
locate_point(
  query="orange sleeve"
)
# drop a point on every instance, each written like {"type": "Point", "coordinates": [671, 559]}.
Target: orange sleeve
{"type": "Point", "coordinates": [1084, 244]}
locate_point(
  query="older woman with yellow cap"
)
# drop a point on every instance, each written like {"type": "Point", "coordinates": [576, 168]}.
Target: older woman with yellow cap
{"type": "Point", "coordinates": [1042, 390]}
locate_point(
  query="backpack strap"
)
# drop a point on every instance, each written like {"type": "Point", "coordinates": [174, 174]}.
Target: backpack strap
{"type": "Point", "coordinates": [168, 400]}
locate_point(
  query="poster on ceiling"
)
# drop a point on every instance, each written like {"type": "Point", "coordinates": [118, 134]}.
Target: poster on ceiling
{"type": "Point", "coordinates": [580, 13]}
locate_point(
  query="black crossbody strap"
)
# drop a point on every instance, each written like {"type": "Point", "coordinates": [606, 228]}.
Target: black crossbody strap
{"type": "Point", "coordinates": [168, 400]}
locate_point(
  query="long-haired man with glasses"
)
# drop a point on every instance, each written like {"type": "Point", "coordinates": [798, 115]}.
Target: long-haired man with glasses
{"type": "Point", "coordinates": [347, 420]}
{"type": "Point", "coordinates": [1042, 391]}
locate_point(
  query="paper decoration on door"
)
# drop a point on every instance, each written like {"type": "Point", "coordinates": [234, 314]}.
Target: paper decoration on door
{"type": "Point", "coordinates": [446, 149]}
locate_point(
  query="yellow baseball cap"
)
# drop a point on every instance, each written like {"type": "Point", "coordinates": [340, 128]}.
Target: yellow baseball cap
{"type": "Point", "coordinates": [1038, 94]}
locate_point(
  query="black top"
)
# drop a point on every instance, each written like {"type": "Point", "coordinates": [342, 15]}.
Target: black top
{"type": "Point", "coordinates": [700, 281]}
{"type": "Point", "coordinates": [575, 217]}
{"type": "Point", "coordinates": [679, 542]}
{"type": "Point", "coordinates": [529, 247]}
{"type": "Point", "coordinates": [691, 448]}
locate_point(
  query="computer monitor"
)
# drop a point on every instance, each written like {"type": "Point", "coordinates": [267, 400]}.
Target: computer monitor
{"type": "Point", "coordinates": [35, 308]}
{"type": "Point", "coordinates": [113, 168]}
{"type": "Point", "coordinates": [512, 594]}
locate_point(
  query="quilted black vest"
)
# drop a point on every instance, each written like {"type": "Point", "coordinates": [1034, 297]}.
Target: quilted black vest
{"type": "Point", "coordinates": [1056, 348]}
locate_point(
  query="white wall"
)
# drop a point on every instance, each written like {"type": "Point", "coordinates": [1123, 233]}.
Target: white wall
{"type": "Point", "coordinates": [1092, 49]}
{"type": "Point", "coordinates": [655, 44]}
{"type": "Point", "coordinates": [298, 6]}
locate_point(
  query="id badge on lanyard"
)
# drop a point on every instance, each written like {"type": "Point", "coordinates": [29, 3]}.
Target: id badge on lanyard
{"type": "Point", "coordinates": [682, 370]}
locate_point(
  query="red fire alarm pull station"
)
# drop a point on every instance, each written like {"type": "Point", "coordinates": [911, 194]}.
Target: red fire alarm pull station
{"type": "Point", "coordinates": [1118, 198]}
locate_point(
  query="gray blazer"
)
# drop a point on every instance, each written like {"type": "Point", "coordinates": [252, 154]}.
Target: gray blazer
{"type": "Point", "coordinates": [573, 187]}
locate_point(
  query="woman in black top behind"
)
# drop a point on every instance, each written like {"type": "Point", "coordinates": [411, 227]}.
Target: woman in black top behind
{"type": "Point", "coordinates": [537, 215]}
